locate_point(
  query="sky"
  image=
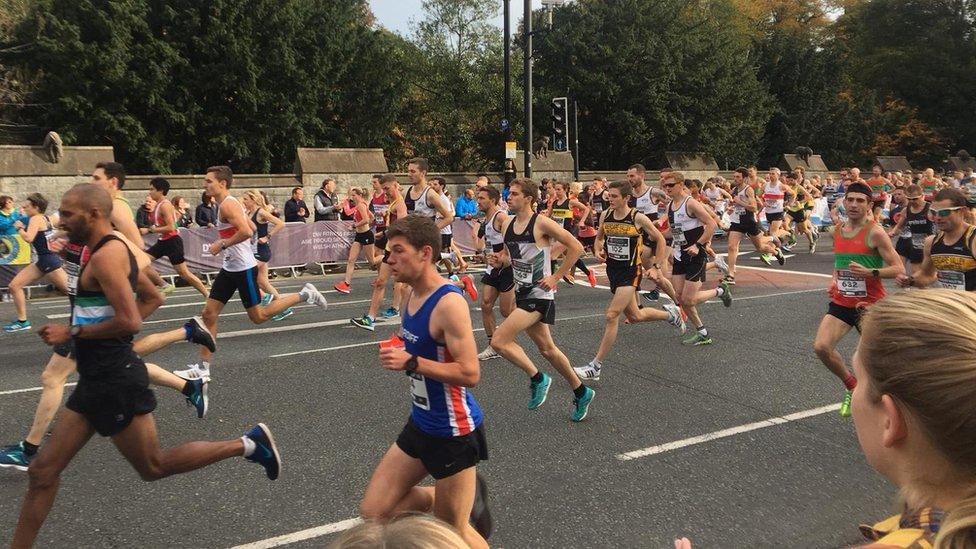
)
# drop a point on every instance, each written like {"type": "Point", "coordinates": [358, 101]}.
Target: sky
{"type": "Point", "coordinates": [396, 14]}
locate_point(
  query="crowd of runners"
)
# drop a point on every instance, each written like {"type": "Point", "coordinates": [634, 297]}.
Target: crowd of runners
{"type": "Point", "coordinates": [655, 240]}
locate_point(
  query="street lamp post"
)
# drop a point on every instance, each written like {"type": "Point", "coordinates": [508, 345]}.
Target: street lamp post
{"type": "Point", "coordinates": [527, 85]}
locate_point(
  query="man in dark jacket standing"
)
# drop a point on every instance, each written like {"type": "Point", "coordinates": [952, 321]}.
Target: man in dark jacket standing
{"type": "Point", "coordinates": [206, 214]}
{"type": "Point", "coordinates": [295, 209]}
{"type": "Point", "coordinates": [327, 205]}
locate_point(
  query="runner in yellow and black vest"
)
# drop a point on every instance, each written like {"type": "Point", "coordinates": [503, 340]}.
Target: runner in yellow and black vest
{"type": "Point", "coordinates": [949, 259]}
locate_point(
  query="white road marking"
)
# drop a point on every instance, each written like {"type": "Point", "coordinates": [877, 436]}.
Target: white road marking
{"type": "Point", "coordinates": [820, 275]}
{"type": "Point", "coordinates": [662, 448]}
{"type": "Point", "coordinates": [241, 313]}
{"type": "Point", "coordinates": [302, 535]}
{"type": "Point", "coordinates": [31, 389]}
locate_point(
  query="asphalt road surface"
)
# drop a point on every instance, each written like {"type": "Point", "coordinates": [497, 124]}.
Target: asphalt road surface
{"type": "Point", "coordinates": [738, 444]}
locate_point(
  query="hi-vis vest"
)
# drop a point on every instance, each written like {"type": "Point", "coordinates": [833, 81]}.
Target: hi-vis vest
{"type": "Point", "coordinates": [909, 531]}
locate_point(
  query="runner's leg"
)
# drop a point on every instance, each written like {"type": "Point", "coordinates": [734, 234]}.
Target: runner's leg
{"type": "Point", "coordinates": [540, 334]}
{"type": "Point", "coordinates": [53, 378]}
{"type": "Point", "coordinates": [393, 487]}
{"type": "Point", "coordinates": [453, 500]}
{"type": "Point", "coordinates": [830, 332]}
{"type": "Point", "coordinates": [618, 303]}
{"type": "Point", "coordinates": [27, 276]}
{"type": "Point", "coordinates": [503, 342]}
{"type": "Point", "coordinates": [194, 281]}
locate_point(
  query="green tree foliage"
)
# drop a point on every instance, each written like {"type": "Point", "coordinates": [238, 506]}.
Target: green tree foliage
{"type": "Point", "coordinates": [176, 85]}
{"type": "Point", "coordinates": [652, 76]}
{"type": "Point", "coordinates": [14, 81]}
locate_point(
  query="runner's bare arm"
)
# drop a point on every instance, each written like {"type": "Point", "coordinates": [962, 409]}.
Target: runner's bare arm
{"type": "Point", "coordinates": [277, 223]}
{"type": "Point", "coordinates": [661, 245]}
{"type": "Point", "coordinates": [33, 227]}
{"type": "Point", "coordinates": [109, 267]}
{"type": "Point", "coordinates": [148, 298]}
{"type": "Point", "coordinates": [879, 239]}
{"type": "Point", "coordinates": [926, 274]}
{"type": "Point", "coordinates": [124, 223]}
{"type": "Point", "coordinates": [441, 209]}
{"type": "Point", "coordinates": [699, 212]}
{"type": "Point", "coordinates": [574, 248]}
{"type": "Point", "coordinates": [240, 221]}
{"type": "Point", "coordinates": [167, 212]}
{"type": "Point", "coordinates": [598, 242]}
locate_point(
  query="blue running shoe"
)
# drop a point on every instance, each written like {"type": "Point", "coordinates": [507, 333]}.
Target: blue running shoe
{"type": "Point", "coordinates": [581, 405]}
{"type": "Point", "coordinates": [15, 457]}
{"type": "Point", "coordinates": [539, 391]}
{"type": "Point", "coordinates": [283, 314]}
{"type": "Point", "coordinates": [266, 453]}
{"type": "Point", "coordinates": [17, 326]}
{"type": "Point", "coordinates": [266, 299]}
{"type": "Point", "coordinates": [390, 313]}
{"type": "Point", "coordinates": [199, 398]}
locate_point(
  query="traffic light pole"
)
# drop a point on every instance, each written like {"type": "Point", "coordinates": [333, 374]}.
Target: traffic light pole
{"type": "Point", "coordinates": [527, 86]}
{"type": "Point", "coordinates": [575, 142]}
{"type": "Point", "coordinates": [509, 165]}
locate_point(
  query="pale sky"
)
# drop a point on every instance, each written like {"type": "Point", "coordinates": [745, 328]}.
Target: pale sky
{"type": "Point", "coordinates": [396, 14]}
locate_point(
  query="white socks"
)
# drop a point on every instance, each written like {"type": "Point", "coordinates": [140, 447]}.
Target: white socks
{"type": "Point", "coordinates": [249, 446]}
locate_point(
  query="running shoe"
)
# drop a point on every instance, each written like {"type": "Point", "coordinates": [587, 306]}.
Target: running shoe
{"type": "Point", "coordinates": [675, 319]}
{"type": "Point", "coordinates": [845, 407]}
{"type": "Point", "coordinates": [342, 287]}
{"type": "Point", "coordinates": [589, 372]}
{"type": "Point", "coordinates": [197, 332]}
{"type": "Point", "coordinates": [390, 313]}
{"type": "Point", "coordinates": [364, 322]}
{"type": "Point", "coordinates": [581, 405]}
{"type": "Point", "coordinates": [729, 279]}
{"type": "Point", "coordinates": [198, 398]}
{"type": "Point", "coordinates": [539, 391]}
{"type": "Point", "coordinates": [15, 457]}
{"type": "Point", "coordinates": [813, 247]}
{"type": "Point", "coordinates": [480, 517]}
{"type": "Point", "coordinates": [726, 296]}
{"type": "Point", "coordinates": [469, 287]}
{"type": "Point", "coordinates": [792, 240]}
{"type": "Point", "coordinates": [193, 371]}
{"type": "Point", "coordinates": [816, 235]}
{"type": "Point", "coordinates": [652, 295]}
{"type": "Point", "coordinates": [17, 326]}
{"type": "Point", "coordinates": [766, 259]}
{"type": "Point", "coordinates": [780, 258]}
{"type": "Point", "coordinates": [569, 279]}
{"type": "Point", "coordinates": [697, 339]}
{"type": "Point", "coordinates": [722, 265]}
{"type": "Point", "coordinates": [591, 277]}
{"type": "Point", "coordinates": [266, 451]}
{"type": "Point", "coordinates": [787, 247]}
{"type": "Point", "coordinates": [167, 289]}
{"type": "Point", "coordinates": [266, 299]}
{"type": "Point", "coordinates": [313, 296]}
{"type": "Point", "coordinates": [283, 314]}
{"type": "Point", "coordinates": [488, 354]}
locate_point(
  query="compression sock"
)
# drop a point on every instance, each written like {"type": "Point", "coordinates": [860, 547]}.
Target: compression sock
{"type": "Point", "coordinates": [580, 391]}
{"type": "Point", "coordinates": [582, 266]}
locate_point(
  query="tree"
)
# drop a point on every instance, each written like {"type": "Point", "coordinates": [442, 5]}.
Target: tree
{"type": "Point", "coordinates": [652, 76]}
{"type": "Point", "coordinates": [14, 82]}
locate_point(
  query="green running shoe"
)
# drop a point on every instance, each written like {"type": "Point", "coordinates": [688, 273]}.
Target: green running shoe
{"type": "Point", "coordinates": [845, 407]}
{"type": "Point", "coordinates": [726, 297]}
{"type": "Point", "coordinates": [167, 289]}
{"type": "Point", "coordinates": [697, 339]}
{"type": "Point", "coordinates": [766, 259]}
{"type": "Point", "coordinates": [365, 322]}
{"type": "Point", "coordinates": [581, 405]}
{"type": "Point", "coordinates": [539, 391]}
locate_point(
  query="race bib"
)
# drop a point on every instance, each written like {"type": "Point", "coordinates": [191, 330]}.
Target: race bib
{"type": "Point", "coordinates": [918, 240]}
{"type": "Point", "coordinates": [952, 280]}
{"type": "Point", "coordinates": [851, 285]}
{"type": "Point", "coordinates": [71, 269]}
{"type": "Point", "coordinates": [678, 237]}
{"type": "Point", "coordinates": [618, 248]}
{"type": "Point", "coordinates": [418, 391]}
{"type": "Point", "coordinates": [522, 272]}
{"type": "Point", "coordinates": [254, 243]}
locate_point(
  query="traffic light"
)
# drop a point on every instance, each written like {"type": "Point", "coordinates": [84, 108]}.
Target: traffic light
{"type": "Point", "coordinates": [560, 124]}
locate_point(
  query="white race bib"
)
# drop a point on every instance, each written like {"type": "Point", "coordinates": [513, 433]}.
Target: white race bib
{"type": "Point", "coordinates": [678, 237]}
{"type": "Point", "coordinates": [71, 270]}
{"type": "Point", "coordinates": [522, 271]}
{"type": "Point", "coordinates": [851, 285]}
{"type": "Point", "coordinates": [618, 248]}
{"type": "Point", "coordinates": [952, 280]}
{"type": "Point", "coordinates": [418, 391]}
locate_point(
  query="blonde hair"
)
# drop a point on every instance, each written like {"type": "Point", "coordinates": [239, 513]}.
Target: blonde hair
{"type": "Point", "coordinates": [413, 531]}
{"type": "Point", "coordinates": [920, 348]}
{"type": "Point", "coordinates": [257, 198]}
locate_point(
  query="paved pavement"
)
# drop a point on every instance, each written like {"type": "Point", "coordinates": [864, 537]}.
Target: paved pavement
{"type": "Point", "coordinates": [734, 445]}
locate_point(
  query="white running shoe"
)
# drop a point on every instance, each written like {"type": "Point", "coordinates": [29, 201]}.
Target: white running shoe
{"type": "Point", "coordinates": [675, 319]}
{"type": "Point", "coordinates": [722, 265]}
{"type": "Point", "coordinates": [193, 371]}
{"type": "Point", "coordinates": [589, 372]}
{"type": "Point", "coordinates": [488, 354]}
{"type": "Point", "coordinates": [313, 296]}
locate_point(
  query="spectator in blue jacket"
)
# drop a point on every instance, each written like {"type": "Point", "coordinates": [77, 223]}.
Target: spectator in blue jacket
{"type": "Point", "coordinates": [9, 214]}
{"type": "Point", "coordinates": [466, 206]}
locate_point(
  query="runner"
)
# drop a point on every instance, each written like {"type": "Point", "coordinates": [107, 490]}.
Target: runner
{"type": "Point", "coordinates": [362, 242]}
{"type": "Point", "coordinates": [643, 198]}
{"type": "Point", "coordinates": [260, 215]}
{"type": "Point", "coordinates": [450, 254]}
{"type": "Point", "coordinates": [395, 209]}
{"type": "Point", "coordinates": [170, 244]}
{"type": "Point", "coordinates": [798, 212]}
{"type": "Point", "coordinates": [916, 224]}
{"type": "Point", "coordinates": [112, 397]}
{"type": "Point", "coordinates": [560, 210]}
{"type": "Point", "coordinates": [619, 245]}
{"type": "Point", "coordinates": [444, 436]}
{"type": "Point", "coordinates": [378, 207]}
{"type": "Point", "coordinates": [949, 258]}
{"type": "Point", "coordinates": [692, 229]}
{"type": "Point", "coordinates": [48, 263]}
{"type": "Point", "coordinates": [239, 271]}
{"type": "Point", "coordinates": [497, 282]}
{"type": "Point", "coordinates": [774, 193]}
{"type": "Point", "coordinates": [879, 191]}
{"type": "Point", "coordinates": [863, 255]}
{"type": "Point", "coordinates": [528, 240]}
{"type": "Point", "coordinates": [111, 177]}
{"type": "Point", "coordinates": [743, 217]}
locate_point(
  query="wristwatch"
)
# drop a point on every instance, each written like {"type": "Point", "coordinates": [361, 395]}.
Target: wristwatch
{"type": "Point", "coordinates": [75, 330]}
{"type": "Point", "coordinates": [875, 273]}
{"type": "Point", "coordinates": [223, 245]}
{"type": "Point", "coordinates": [411, 364]}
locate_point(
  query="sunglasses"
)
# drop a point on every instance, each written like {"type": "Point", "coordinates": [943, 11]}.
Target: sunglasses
{"type": "Point", "coordinates": [668, 185]}
{"type": "Point", "coordinates": [944, 212]}
{"type": "Point", "coordinates": [915, 197]}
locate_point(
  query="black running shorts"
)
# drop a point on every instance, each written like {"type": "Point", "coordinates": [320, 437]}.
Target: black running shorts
{"type": "Point", "coordinates": [770, 217]}
{"type": "Point", "coordinates": [798, 216]}
{"type": "Point", "coordinates": [172, 248]}
{"type": "Point", "coordinates": [110, 403]}
{"type": "Point", "coordinates": [692, 267]}
{"type": "Point", "coordinates": [502, 279]}
{"type": "Point", "coordinates": [850, 316]}
{"type": "Point", "coordinates": [244, 282]}
{"type": "Point", "coordinates": [66, 350]}
{"type": "Point", "coordinates": [365, 238]}
{"type": "Point", "coordinates": [48, 262]}
{"type": "Point", "coordinates": [750, 228]}
{"type": "Point", "coordinates": [446, 240]}
{"type": "Point", "coordinates": [443, 457]}
{"type": "Point", "coordinates": [545, 307]}
{"type": "Point", "coordinates": [264, 253]}
{"type": "Point", "coordinates": [624, 276]}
